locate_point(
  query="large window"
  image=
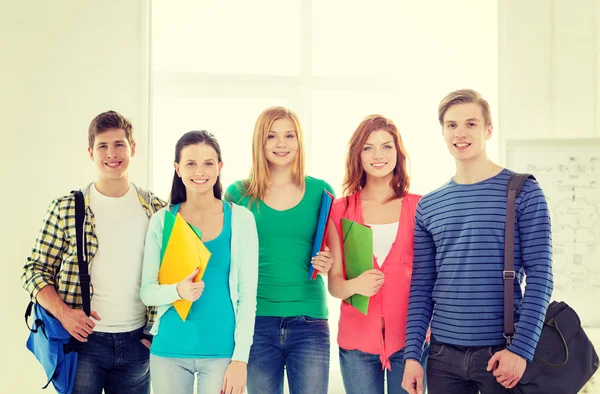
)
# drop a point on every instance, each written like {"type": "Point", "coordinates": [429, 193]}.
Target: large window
{"type": "Point", "coordinates": [217, 65]}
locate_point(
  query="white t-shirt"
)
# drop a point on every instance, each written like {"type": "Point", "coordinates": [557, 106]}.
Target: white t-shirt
{"type": "Point", "coordinates": [116, 269]}
{"type": "Point", "coordinates": [384, 236]}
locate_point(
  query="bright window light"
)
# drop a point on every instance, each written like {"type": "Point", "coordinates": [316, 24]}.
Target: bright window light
{"type": "Point", "coordinates": [217, 65]}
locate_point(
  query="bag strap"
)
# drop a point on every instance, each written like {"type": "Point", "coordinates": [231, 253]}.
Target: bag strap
{"type": "Point", "coordinates": [37, 323]}
{"type": "Point", "coordinates": [515, 183]}
{"type": "Point", "coordinates": [84, 276]}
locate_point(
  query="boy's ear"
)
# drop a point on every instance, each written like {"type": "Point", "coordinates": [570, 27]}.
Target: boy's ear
{"type": "Point", "coordinates": [133, 149]}
{"type": "Point", "coordinates": [489, 132]}
{"type": "Point", "coordinates": [91, 153]}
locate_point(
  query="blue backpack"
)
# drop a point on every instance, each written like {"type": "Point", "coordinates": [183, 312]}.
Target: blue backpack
{"type": "Point", "coordinates": [49, 342]}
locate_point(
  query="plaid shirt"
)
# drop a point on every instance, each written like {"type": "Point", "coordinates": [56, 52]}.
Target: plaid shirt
{"type": "Point", "coordinates": [53, 259]}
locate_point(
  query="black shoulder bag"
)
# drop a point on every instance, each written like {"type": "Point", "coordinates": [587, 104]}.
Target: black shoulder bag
{"type": "Point", "coordinates": [565, 359]}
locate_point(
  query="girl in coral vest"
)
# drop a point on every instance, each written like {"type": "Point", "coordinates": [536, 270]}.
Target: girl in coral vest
{"type": "Point", "coordinates": [376, 194]}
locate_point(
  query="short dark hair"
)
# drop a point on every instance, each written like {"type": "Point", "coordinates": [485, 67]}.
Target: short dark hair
{"type": "Point", "coordinates": [178, 193]}
{"type": "Point", "coordinates": [107, 121]}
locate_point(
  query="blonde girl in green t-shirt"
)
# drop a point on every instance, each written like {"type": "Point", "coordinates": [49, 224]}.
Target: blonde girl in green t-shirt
{"type": "Point", "coordinates": [291, 330]}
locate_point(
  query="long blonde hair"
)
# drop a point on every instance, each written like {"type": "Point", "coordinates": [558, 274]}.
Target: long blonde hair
{"type": "Point", "coordinates": [258, 182]}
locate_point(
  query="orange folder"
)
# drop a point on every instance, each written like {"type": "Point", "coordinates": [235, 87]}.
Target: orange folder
{"type": "Point", "coordinates": [184, 253]}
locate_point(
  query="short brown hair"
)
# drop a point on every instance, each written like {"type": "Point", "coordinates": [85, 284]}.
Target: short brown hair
{"type": "Point", "coordinates": [107, 121]}
{"type": "Point", "coordinates": [464, 96]}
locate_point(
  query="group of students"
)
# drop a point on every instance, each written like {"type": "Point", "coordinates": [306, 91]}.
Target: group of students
{"type": "Point", "coordinates": [436, 287]}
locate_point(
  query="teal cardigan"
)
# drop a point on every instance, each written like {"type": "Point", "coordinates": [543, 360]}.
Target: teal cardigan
{"type": "Point", "coordinates": [243, 276]}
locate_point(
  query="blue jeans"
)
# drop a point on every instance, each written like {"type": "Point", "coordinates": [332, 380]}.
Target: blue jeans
{"type": "Point", "coordinates": [116, 363]}
{"type": "Point", "coordinates": [362, 372]}
{"type": "Point", "coordinates": [300, 344]}
{"type": "Point", "coordinates": [177, 375]}
{"type": "Point", "coordinates": [461, 370]}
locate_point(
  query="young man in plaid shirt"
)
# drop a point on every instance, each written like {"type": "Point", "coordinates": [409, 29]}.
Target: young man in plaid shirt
{"type": "Point", "coordinates": [114, 356]}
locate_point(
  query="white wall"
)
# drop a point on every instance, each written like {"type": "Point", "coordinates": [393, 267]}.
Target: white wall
{"type": "Point", "coordinates": [376, 68]}
{"type": "Point", "coordinates": [62, 62]}
{"type": "Point", "coordinates": [549, 79]}
{"type": "Point", "coordinates": [548, 69]}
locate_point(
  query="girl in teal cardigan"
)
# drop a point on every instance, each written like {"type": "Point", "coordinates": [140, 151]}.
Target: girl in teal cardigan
{"type": "Point", "coordinates": [215, 339]}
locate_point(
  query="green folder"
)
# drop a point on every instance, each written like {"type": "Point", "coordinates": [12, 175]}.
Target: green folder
{"type": "Point", "coordinates": [168, 228]}
{"type": "Point", "coordinates": [358, 256]}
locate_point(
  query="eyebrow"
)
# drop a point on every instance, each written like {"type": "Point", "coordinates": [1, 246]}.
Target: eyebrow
{"type": "Point", "coordinates": [289, 131]}
{"type": "Point", "coordinates": [468, 120]}
{"type": "Point", "coordinates": [388, 142]}
{"type": "Point", "coordinates": [107, 142]}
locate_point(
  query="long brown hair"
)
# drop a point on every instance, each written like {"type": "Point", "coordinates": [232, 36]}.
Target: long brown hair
{"type": "Point", "coordinates": [355, 178]}
{"type": "Point", "coordinates": [178, 192]}
{"type": "Point", "coordinates": [258, 182]}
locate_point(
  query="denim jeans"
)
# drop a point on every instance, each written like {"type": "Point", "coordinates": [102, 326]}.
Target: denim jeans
{"type": "Point", "coordinates": [300, 344]}
{"type": "Point", "coordinates": [177, 375]}
{"type": "Point", "coordinates": [362, 372]}
{"type": "Point", "coordinates": [461, 370]}
{"type": "Point", "coordinates": [116, 363]}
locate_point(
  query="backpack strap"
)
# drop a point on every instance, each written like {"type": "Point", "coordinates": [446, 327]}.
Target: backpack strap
{"type": "Point", "coordinates": [82, 262]}
{"type": "Point", "coordinates": [37, 323]}
{"type": "Point", "coordinates": [84, 276]}
{"type": "Point", "coordinates": [515, 183]}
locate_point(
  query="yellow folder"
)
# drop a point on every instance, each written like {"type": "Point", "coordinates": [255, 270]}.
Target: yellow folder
{"type": "Point", "coordinates": [184, 253]}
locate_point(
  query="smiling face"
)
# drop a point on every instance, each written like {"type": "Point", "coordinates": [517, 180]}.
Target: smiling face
{"type": "Point", "coordinates": [112, 153]}
{"type": "Point", "coordinates": [465, 131]}
{"type": "Point", "coordinates": [379, 155]}
{"type": "Point", "coordinates": [198, 168]}
{"type": "Point", "coordinates": [281, 146]}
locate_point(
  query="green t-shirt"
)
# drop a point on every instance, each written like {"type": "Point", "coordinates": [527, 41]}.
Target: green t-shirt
{"type": "Point", "coordinates": [285, 240]}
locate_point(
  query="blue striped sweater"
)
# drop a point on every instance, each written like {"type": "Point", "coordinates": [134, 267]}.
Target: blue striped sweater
{"type": "Point", "coordinates": [457, 284]}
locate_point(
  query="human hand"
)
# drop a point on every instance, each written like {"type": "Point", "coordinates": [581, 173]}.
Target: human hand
{"type": "Point", "coordinates": [146, 343]}
{"type": "Point", "coordinates": [323, 261]}
{"type": "Point", "coordinates": [507, 367]}
{"type": "Point", "coordinates": [188, 289]}
{"type": "Point", "coordinates": [234, 381]}
{"type": "Point", "coordinates": [77, 323]}
{"type": "Point", "coordinates": [369, 282]}
{"type": "Point", "coordinates": [412, 380]}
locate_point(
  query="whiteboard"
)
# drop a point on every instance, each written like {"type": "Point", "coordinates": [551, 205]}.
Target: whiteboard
{"type": "Point", "coordinates": [569, 174]}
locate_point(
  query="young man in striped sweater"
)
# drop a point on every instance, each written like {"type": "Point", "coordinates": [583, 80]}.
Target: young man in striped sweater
{"type": "Point", "coordinates": [457, 281]}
